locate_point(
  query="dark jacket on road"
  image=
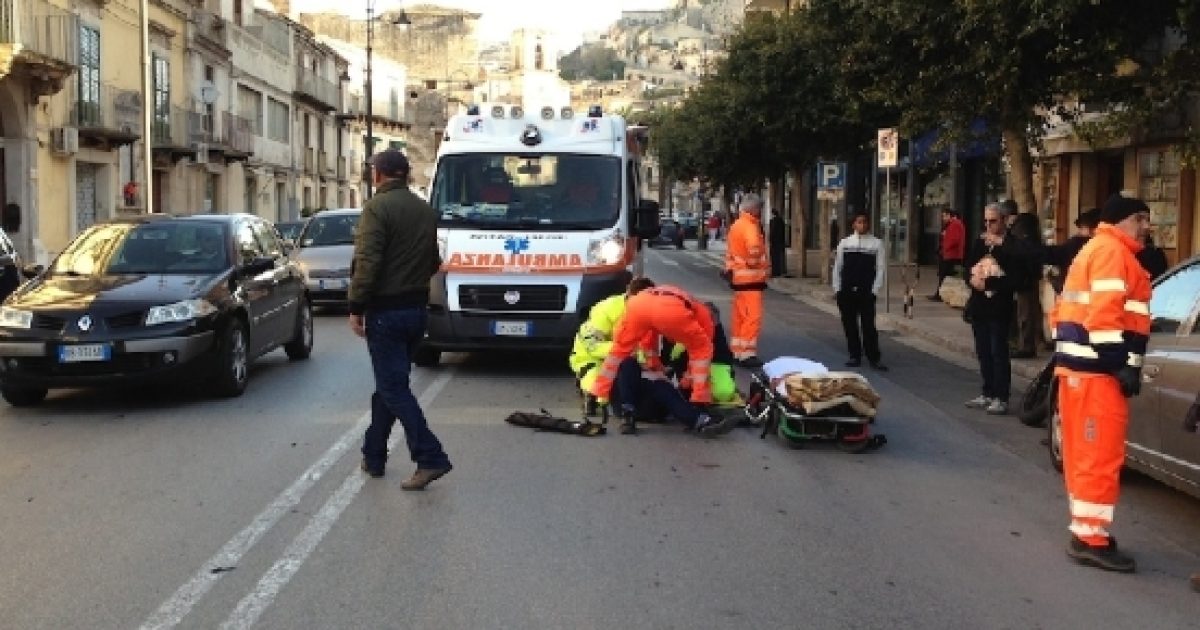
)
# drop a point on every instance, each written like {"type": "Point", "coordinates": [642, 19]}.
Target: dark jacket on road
{"type": "Point", "coordinates": [395, 251]}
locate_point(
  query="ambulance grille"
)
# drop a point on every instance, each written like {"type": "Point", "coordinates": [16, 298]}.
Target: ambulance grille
{"type": "Point", "coordinates": [531, 297]}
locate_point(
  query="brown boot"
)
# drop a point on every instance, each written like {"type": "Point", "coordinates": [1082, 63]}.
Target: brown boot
{"type": "Point", "coordinates": [423, 477]}
{"type": "Point", "coordinates": [1194, 580]}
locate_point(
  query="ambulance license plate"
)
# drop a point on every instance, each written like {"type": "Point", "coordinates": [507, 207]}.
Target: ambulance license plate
{"type": "Point", "coordinates": [511, 329]}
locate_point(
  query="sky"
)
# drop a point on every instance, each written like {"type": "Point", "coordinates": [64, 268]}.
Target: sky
{"type": "Point", "coordinates": [568, 20]}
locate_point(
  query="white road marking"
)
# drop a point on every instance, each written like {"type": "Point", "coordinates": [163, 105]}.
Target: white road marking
{"type": "Point", "coordinates": [272, 582]}
{"type": "Point", "coordinates": [174, 609]}
{"type": "Point", "coordinates": [668, 261]}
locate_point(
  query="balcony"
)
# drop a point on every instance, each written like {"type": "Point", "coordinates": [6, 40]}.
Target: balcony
{"type": "Point", "coordinates": [221, 132]}
{"type": "Point", "coordinates": [169, 134]}
{"type": "Point", "coordinates": [106, 117]}
{"type": "Point", "coordinates": [39, 39]}
{"type": "Point", "coordinates": [211, 30]}
{"type": "Point", "coordinates": [239, 135]}
{"type": "Point", "coordinates": [319, 92]}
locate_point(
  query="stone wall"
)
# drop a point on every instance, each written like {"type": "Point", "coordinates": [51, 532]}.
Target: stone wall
{"type": "Point", "coordinates": [440, 43]}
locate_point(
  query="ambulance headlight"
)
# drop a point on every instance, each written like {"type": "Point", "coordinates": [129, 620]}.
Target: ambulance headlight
{"type": "Point", "coordinates": [606, 251]}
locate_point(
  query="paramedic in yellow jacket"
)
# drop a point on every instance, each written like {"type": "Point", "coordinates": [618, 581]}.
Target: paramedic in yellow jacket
{"type": "Point", "coordinates": [595, 336]}
{"type": "Point", "coordinates": [1101, 326]}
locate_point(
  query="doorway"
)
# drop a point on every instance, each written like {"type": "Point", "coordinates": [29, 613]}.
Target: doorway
{"type": "Point", "coordinates": [85, 195]}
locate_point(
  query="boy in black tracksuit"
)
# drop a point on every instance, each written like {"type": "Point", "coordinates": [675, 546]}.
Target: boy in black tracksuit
{"type": "Point", "coordinates": [857, 277]}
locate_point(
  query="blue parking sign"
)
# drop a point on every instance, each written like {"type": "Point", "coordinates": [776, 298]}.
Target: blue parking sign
{"type": "Point", "coordinates": [831, 175]}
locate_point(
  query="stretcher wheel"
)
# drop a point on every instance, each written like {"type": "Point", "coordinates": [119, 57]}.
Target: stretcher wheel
{"type": "Point", "coordinates": [853, 446]}
{"type": "Point", "coordinates": [789, 441]}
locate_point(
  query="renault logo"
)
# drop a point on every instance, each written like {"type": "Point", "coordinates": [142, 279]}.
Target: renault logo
{"type": "Point", "coordinates": [512, 297]}
{"type": "Point", "coordinates": [85, 323]}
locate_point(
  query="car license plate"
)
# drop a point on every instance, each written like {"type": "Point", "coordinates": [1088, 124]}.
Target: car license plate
{"type": "Point", "coordinates": [332, 285]}
{"type": "Point", "coordinates": [511, 329]}
{"type": "Point", "coordinates": [86, 352]}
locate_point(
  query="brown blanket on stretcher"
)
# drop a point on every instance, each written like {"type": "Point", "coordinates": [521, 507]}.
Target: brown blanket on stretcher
{"type": "Point", "coordinates": [816, 393]}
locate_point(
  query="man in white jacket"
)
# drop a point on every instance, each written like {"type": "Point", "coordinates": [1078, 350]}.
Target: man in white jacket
{"type": "Point", "coordinates": [858, 269]}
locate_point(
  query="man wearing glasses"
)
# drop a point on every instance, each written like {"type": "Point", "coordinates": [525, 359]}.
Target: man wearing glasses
{"type": "Point", "coordinates": [994, 263]}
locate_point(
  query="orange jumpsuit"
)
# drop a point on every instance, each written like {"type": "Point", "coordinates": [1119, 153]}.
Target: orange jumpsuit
{"type": "Point", "coordinates": [669, 312]}
{"type": "Point", "coordinates": [747, 263]}
{"type": "Point", "coordinates": [1101, 324]}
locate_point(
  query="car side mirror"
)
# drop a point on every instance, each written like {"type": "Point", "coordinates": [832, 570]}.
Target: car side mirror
{"type": "Point", "coordinates": [645, 219]}
{"type": "Point", "coordinates": [32, 271]}
{"type": "Point", "coordinates": [258, 266]}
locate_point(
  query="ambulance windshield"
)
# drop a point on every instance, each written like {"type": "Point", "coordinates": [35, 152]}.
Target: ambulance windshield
{"type": "Point", "coordinates": [559, 191]}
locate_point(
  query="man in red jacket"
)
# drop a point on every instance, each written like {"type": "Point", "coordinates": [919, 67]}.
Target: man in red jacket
{"type": "Point", "coordinates": [953, 250]}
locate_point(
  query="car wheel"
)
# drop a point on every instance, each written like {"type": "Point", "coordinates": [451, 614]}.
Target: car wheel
{"type": "Point", "coordinates": [23, 396]}
{"type": "Point", "coordinates": [1054, 430]}
{"type": "Point", "coordinates": [426, 356]}
{"type": "Point", "coordinates": [233, 361]}
{"type": "Point", "coordinates": [300, 347]}
{"type": "Point", "coordinates": [1035, 403]}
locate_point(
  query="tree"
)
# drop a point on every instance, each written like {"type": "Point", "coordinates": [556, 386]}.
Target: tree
{"type": "Point", "coordinates": [1010, 63]}
{"type": "Point", "coordinates": [591, 61]}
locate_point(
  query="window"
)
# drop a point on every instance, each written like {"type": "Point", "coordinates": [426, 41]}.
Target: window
{"type": "Point", "coordinates": [88, 114]}
{"type": "Point", "coordinates": [209, 108]}
{"type": "Point", "coordinates": [238, 13]}
{"type": "Point", "coordinates": [278, 120]}
{"type": "Point", "coordinates": [1174, 299]}
{"type": "Point", "coordinates": [162, 98]}
{"type": "Point", "coordinates": [251, 194]}
{"type": "Point", "coordinates": [250, 108]}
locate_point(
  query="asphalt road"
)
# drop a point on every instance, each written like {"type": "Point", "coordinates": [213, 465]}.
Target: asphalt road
{"type": "Point", "coordinates": [127, 509]}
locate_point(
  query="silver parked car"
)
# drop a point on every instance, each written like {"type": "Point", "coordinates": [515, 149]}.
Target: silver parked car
{"type": "Point", "coordinates": [324, 252]}
{"type": "Point", "coordinates": [1157, 443]}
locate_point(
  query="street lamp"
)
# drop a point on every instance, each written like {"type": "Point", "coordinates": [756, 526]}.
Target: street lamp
{"type": "Point", "coordinates": [399, 20]}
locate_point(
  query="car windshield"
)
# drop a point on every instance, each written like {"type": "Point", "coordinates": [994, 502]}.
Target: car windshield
{"type": "Point", "coordinates": [507, 190]}
{"type": "Point", "coordinates": [290, 231]}
{"type": "Point", "coordinates": [331, 230]}
{"type": "Point", "coordinates": [163, 247]}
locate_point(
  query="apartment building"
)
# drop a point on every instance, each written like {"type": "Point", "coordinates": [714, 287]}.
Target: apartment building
{"type": "Point", "coordinates": [318, 97]}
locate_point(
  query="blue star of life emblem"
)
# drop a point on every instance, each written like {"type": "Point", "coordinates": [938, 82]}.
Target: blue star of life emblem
{"type": "Point", "coordinates": [516, 244]}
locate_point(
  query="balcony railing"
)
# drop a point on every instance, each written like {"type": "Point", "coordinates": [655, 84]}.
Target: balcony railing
{"type": "Point", "coordinates": [320, 91]}
{"type": "Point", "coordinates": [171, 130]}
{"type": "Point", "coordinates": [40, 33]}
{"type": "Point", "coordinates": [103, 111]}
{"type": "Point", "coordinates": [239, 132]}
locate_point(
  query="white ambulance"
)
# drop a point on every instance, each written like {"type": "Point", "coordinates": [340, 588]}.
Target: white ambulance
{"type": "Point", "coordinates": [540, 218]}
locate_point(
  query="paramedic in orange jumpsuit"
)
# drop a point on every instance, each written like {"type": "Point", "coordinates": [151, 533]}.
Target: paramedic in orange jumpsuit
{"type": "Point", "coordinates": [670, 312]}
{"type": "Point", "coordinates": [1101, 326]}
{"type": "Point", "coordinates": [746, 268]}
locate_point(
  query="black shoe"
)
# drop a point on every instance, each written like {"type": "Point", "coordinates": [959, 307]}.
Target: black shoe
{"type": "Point", "coordinates": [374, 471]}
{"type": "Point", "coordinates": [1024, 354]}
{"type": "Point", "coordinates": [750, 362]}
{"type": "Point", "coordinates": [1108, 557]}
{"type": "Point", "coordinates": [878, 367]}
{"type": "Point", "coordinates": [933, 298]}
{"type": "Point", "coordinates": [713, 425]}
{"type": "Point", "coordinates": [629, 426]}
{"type": "Point", "coordinates": [855, 362]}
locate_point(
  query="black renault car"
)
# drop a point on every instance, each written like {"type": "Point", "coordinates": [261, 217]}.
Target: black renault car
{"type": "Point", "coordinates": [152, 298]}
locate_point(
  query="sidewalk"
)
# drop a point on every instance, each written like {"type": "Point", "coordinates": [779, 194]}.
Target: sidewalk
{"type": "Point", "coordinates": [934, 322]}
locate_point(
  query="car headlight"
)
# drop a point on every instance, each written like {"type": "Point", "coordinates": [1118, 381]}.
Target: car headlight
{"type": "Point", "coordinates": [179, 312]}
{"type": "Point", "coordinates": [606, 251]}
{"type": "Point", "coordinates": [15, 318]}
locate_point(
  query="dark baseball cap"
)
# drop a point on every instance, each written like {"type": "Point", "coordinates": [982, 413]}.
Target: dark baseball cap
{"type": "Point", "coordinates": [390, 163]}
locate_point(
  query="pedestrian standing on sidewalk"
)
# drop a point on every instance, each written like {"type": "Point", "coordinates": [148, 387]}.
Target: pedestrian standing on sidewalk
{"type": "Point", "coordinates": [1061, 255]}
{"type": "Point", "coordinates": [952, 251]}
{"type": "Point", "coordinates": [395, 255]}
{"type": "Point", "coordinates": [777, 239]}
{"type": "Point", "coordinates": [746, 269]}
{"type": "Point", "coordinates": [1026, 230]}
{"type": "Point", "coordinates": [858, 267]}
{"type": "Point", "coordinates": [994, 263]}
{"type": "Point", "coordinates": [1102, 325]}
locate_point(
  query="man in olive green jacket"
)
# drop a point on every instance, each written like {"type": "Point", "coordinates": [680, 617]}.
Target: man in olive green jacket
{"type": "Point", "coordinates": [395, 255]}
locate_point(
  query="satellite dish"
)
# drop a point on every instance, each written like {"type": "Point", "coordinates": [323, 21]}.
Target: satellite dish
{"type": "Point", "coordinates": [207, 92]}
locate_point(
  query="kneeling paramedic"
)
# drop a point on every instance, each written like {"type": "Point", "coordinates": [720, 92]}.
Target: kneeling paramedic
{"type": "Point", "coordinates": [648, 394]}
{"type": "Point", "coordinates": [594, 339]}
{"type": "Point", "coordinates": [670, 312]}
{"type": "Point", "coordinates": [724, 388]}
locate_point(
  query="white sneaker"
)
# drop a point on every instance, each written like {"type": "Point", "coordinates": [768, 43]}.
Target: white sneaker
{"type": "Point", "coordinates": [980, 402]}
{"type": "Point", "coordinates": [997, 408]}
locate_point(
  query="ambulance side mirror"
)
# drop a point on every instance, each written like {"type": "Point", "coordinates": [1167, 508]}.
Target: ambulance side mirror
{"type": "Point", "coordinates": [645, 220]}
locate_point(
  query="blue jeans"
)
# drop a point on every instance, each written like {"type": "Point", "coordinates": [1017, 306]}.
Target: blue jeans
{"type": "Point", "coordinates": [392, 336]}
{"type": "Point", "coordinates": [991, 347]}
{"type": "Point", "coordinates": [652, 399]}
